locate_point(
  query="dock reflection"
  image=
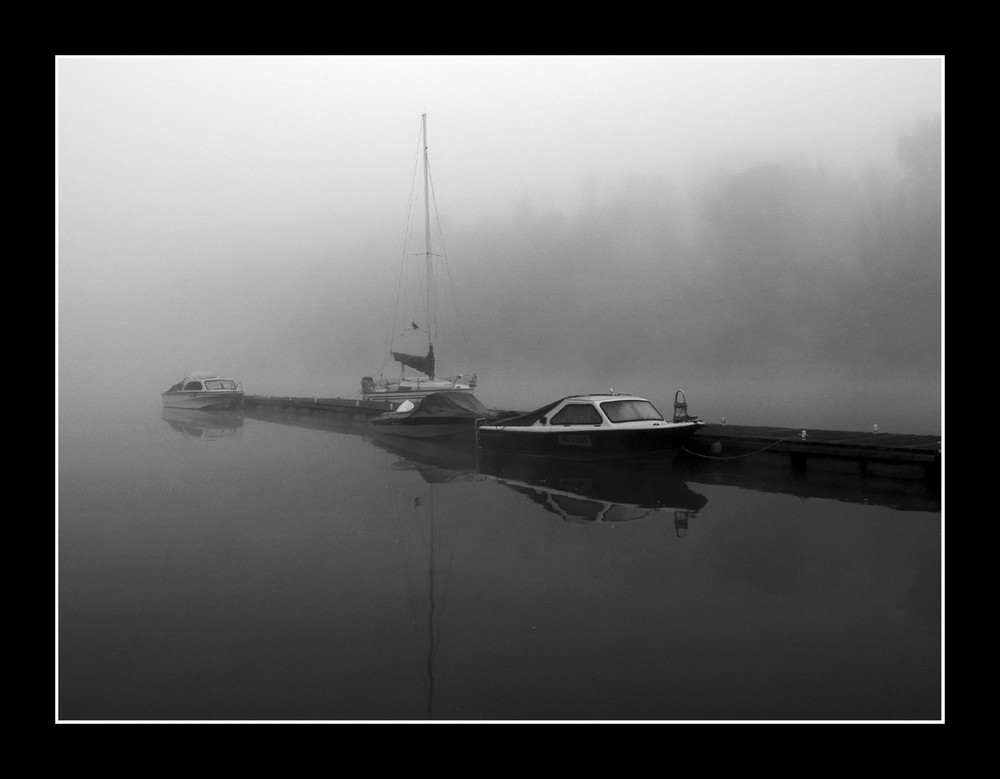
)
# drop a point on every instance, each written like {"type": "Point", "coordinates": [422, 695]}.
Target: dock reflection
{"type": "Point", "coordinates": [775, 474]}
{"type": "Point", "coordinates": [631, 487]}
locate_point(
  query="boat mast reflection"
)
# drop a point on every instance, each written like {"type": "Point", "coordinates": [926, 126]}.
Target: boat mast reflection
{"type": "Point", "coordinates": [422, 535]}
{"type": "Point", "coordinates": [576, 491]}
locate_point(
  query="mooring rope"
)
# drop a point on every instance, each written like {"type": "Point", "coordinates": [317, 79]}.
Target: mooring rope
{"type": "Point", "coordinates": [736, 456]}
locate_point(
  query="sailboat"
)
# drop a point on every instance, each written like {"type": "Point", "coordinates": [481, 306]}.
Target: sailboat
{"type": "Point", "coordinates": [425, 382]}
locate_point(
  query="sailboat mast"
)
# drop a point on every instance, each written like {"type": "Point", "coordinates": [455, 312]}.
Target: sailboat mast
{"type": "Point", "coordinates": [427, 235]}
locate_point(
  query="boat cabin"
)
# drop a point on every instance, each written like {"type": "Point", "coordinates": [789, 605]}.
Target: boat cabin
{"type": "Point", "coordinates": [204, 390]}
{"type": "Point", "coordinates": [612, 424]}
{"type": "Point", "coordinates": [199, 383]}
{"type": "Point", "coordinates": [592, 410]}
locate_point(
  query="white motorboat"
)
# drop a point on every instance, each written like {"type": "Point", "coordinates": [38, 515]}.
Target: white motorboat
{"type": "Point", "coordinates": [592, 425]}
{"type": "Point", "coordinates": [204, 390]}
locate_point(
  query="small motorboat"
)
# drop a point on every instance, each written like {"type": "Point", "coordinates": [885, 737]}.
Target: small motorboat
{"type": "Point", "coordinates": [614, 424]}
{"type": "Point", "coordinates": [204, 390]}
{"type": "Point", "coordinates": [441, 415]}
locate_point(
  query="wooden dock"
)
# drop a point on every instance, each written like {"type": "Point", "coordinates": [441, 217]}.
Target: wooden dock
{"type": "Point", "coordinates": [869, 453]}
{"type": "Point", "coordinates": [876, 454]}
{"type": "Point", "coordinates": [346, 406]}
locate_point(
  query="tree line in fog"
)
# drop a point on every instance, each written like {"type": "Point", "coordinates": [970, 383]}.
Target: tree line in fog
{"type": "Point", "coordinates": [775, 262]}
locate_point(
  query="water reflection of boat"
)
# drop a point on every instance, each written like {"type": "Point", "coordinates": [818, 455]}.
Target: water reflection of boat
{"type": "Point", "coordinates": [592, 491]}
{"type": "Point", "coordinates": [607, 490]}
{"type": "Point", "coordinates": [437, 463]}
{"type": "Point", "coordinates": [576, 490]}
{"type": "Point", "coordinates": [204, 423]}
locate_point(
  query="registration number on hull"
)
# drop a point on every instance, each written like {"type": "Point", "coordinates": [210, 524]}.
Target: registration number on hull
{"type": "Point", "coordinates": [574, 439]}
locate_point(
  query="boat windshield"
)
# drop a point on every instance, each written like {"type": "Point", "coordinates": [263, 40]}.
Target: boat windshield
{"type": "Point", "coordinates": [577, 414]}
{"type": "Point", "coordinates": [220, 384]}
{"type": "Point", "coordinates": [630, 410]}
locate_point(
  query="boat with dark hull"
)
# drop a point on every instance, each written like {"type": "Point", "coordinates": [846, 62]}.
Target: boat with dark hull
{"type": "Point", "coordinates": [442, 415]}
{"type": "Point", "coordinates": [594, 425]}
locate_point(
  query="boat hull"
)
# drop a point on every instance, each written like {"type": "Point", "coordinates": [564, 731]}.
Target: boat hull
{"type": "Point", "coordinates": [203, 399]}
{"type": "Point", "coordinates": [586, 442]}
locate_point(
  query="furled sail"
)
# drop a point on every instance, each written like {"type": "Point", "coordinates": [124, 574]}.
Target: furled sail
{"type": "Point", "coordinates": [423, 364]}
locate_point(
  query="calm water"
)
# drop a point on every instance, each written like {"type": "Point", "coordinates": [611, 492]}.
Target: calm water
{"type": "Point", "coordinates": [275, 567]}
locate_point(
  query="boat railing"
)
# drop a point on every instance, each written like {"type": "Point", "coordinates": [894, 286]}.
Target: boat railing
{"type": "Point", "coordinates": [680, 406]}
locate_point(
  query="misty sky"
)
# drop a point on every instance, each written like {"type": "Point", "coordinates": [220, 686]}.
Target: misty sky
{"type": "Point", "coordinates": [749, 229]}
